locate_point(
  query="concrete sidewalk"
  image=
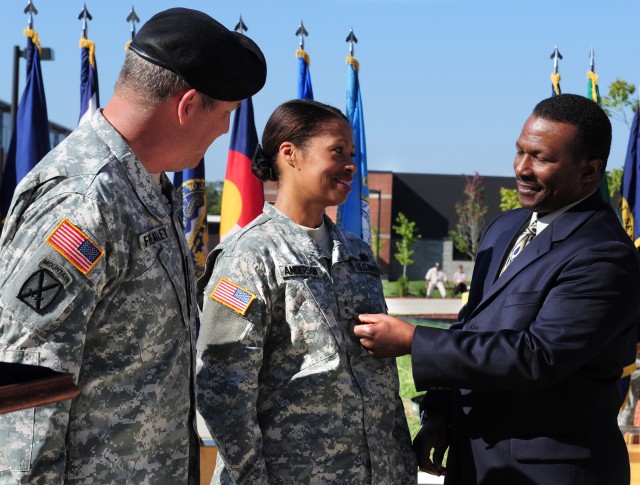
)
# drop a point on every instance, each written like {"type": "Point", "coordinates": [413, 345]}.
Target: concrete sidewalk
{"type": "Point", "coordinates": [426, 479]}
{"type": "Point", "coordinates": [430, 307]}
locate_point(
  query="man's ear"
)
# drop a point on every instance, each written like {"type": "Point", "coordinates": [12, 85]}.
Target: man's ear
{"type": "Point", "coordinates": [186, 104]}
{"type": "Point", "coordinates": [288, 152]}
{"type": "Point", "coordinates": [592, 170]}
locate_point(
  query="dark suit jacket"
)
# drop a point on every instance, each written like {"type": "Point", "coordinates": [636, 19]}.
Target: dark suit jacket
{"type": "Point", "coordinates": [533, 362]}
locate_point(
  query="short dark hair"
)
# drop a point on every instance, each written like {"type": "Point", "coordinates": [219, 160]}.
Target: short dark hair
{"type": "Point", "coordinates": [593, 128]}
{"type": "Point", "coordinates": [297, 121]}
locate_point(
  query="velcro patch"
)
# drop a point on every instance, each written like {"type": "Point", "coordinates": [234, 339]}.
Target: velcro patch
{"type": "Point", "coordinates": [75, 246]}
{"type": "Point", "coordinates": [232, 296]}
{"type": "Point", "coordinates": [154, 236]}
{"type": "Point", "coordinates": [40, 290]}
{"type": "Point", "coordinates": [364, 267]}
{"type": "Point", "coordinates": [292, 270]}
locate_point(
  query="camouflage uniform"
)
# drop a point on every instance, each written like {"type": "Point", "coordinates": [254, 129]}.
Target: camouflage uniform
{"type": "Point", "coordinates": [288, 396]}
{"type": "Point", "coordinates": [121, 319]}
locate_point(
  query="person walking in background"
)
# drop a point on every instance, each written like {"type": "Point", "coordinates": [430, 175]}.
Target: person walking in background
{"type": "Point", "coordinates": [285, 391]}
{"type": "Point", "coordinates": [459, 281]}
{"type": "Point", "coordinates": [523, 388]}
{"type": "Point", "coordinates": [96, 275]}
{"type": "Point", "coordinates": [435, 277]}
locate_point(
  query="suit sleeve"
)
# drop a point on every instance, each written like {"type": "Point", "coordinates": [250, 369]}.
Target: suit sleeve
{"type": "Point", "coordinates": [45, 305]}
{"type": "Point", "coordinates": [230, 352]}
{"type": "Point", "coordinates": [542, 337]}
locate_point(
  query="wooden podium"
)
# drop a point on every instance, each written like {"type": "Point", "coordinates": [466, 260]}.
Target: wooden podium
{"type": "Point", "coordinates": [25, 386]}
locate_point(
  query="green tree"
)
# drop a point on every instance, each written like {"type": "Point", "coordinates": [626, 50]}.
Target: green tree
{"type": "Point", "coordinates": [408, 233]}
{"type": "Point", "coordinates": [376, 243]}
{"type": "Point", "coordinates": [614, 181]}
{"type": "Point", "coordinates": [214, 197]}
{"type": "Point", "coordinates": [509, 199]}
{"type": "Point", "coordinates": [471, 212]}
{"type": "Point", "coordinates": [621, 101]}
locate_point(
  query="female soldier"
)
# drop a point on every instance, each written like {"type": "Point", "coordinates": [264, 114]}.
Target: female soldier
{"type": "Point", "coordinates": [288, 396]}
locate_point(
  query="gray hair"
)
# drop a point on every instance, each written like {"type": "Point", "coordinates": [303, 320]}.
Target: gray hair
{"type": "Point", "coordinates": [143, 79]}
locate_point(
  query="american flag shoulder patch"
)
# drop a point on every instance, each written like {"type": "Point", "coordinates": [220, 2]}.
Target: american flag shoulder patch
{"type": "Point", "coordinates": [75, 246]}
{"type": "Point", "coordinates": [232, 296]}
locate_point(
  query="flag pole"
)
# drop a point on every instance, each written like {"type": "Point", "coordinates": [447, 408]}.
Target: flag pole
{"type": "Point", "coordinates": [555, 75]}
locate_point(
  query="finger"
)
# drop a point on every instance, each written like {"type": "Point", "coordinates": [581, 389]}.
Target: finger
{"type": "Point", "coordinates": [438, 456]}
{"type": "Point", "coordinates": [429, 467]}
{"type": "Point", "coordinates": [362, 331]}
{"type": "Point", "coordinates": [367, 318]}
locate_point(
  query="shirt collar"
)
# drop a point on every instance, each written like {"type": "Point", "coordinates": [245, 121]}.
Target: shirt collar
{"type": "Point", "coordinates": [544, 221]}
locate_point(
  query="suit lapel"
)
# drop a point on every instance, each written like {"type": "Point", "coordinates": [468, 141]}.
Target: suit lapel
{"type": "Point", "coordinates": [559, 230]}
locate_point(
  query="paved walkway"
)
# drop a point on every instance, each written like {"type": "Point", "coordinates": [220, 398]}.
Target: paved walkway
{"type": "Point", "coordinates": [426, 479]}
{"type": "Point", "coordinates": [438, 307]}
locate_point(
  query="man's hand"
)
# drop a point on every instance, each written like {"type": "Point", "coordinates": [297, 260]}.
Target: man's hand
{"type": "Point", "coordinates": [434, 435]}
{"type": "Point", "coordinates": [383, 336]}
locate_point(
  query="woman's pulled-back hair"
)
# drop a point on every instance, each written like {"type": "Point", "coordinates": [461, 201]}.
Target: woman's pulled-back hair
{"type": "Point", "coordinates": [296, 121]}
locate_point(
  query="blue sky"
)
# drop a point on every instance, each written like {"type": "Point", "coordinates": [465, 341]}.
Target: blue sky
{"type": "Point", "coordinates": [446, 84]}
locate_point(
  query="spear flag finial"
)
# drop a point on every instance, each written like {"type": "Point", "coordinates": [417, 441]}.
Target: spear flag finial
{"type": "Point", "coordinates": [302, 32]}
{"type": "Point", "coordinates": [241, 26]}
{"type": "Point", "coordinates": [133, 18]}
{"type": "Point", "coordinates": [592, 60]}
{"type": "Point", "coordinates": [31, 10]}
{"type": "Point", "coordinates": [85, 16]}
{"type": "Point", "coordinates": [555, 55]}
{"type": "Point", "coordinates": [351, 39]}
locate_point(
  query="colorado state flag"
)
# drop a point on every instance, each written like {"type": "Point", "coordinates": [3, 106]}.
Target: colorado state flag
{"type": "Point", "coordinates": [242, 195]}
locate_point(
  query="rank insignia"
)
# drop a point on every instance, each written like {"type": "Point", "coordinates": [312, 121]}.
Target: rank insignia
{"type": "Point", "coordinates": [75, 246]}
{"type": "Point", "coordinates": [232, 296]}
{"type": "Point", "coordinates": [40, 290]}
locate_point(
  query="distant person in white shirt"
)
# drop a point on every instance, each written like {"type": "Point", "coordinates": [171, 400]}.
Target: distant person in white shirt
{"type": "Point", "coordinates": [459, 281]}
{"type": "Point", "coordinates": [435, 277]}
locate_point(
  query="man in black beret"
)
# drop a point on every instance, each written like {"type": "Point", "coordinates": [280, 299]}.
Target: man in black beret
{"type": "Point", "coordinates": [96, 275]}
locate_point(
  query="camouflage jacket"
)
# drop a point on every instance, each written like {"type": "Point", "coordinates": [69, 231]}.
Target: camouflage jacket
{"type": "Point", "coordinates": [288, 396]}
{"type": "Point", "coordinates": [95, 279]}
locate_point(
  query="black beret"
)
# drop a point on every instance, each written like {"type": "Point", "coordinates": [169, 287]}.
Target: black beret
{"type": "Point", "coordinates": [222, 64]}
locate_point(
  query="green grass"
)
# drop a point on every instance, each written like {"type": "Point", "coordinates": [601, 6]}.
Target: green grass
{"type": "Point", "coordinates": [416, 289]}
{"type": "Point", "coordinates": [407, 391]}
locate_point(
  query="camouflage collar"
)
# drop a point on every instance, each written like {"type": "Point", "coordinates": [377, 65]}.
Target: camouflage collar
{"type": "Point", "coordinates": [138, 175]}
{"type": "Point", "coordinates": [341, 249]}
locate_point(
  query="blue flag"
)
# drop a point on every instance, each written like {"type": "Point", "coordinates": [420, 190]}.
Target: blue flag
{"type": "Point", "coordinates": [305, 91]}
{"type": "Point", "coordinates": [89, 93]}
{"type": "Point", "coordinates": [191, 186]}
{"type": "Point", "coordinates": [629, 205]}
{"type": "Point", "coordinates": [30, 137]}
{"type": "Point", "coordinates": [630, 188]}
{"type": "Point", "coordinates": [353, 215]}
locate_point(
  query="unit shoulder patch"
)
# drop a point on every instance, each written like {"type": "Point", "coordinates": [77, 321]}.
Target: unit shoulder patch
{"type": "Point", "coordinates": [39, 290]}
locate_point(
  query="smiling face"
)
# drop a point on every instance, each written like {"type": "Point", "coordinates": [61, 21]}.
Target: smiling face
{"type": "Point", "coordinates": [324, 168]}
{"type": "Point", "coordinates": [549, 174]}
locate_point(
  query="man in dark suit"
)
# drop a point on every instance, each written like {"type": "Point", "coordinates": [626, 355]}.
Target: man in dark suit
{"type": "Point", "coordinates": [523, 387]}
